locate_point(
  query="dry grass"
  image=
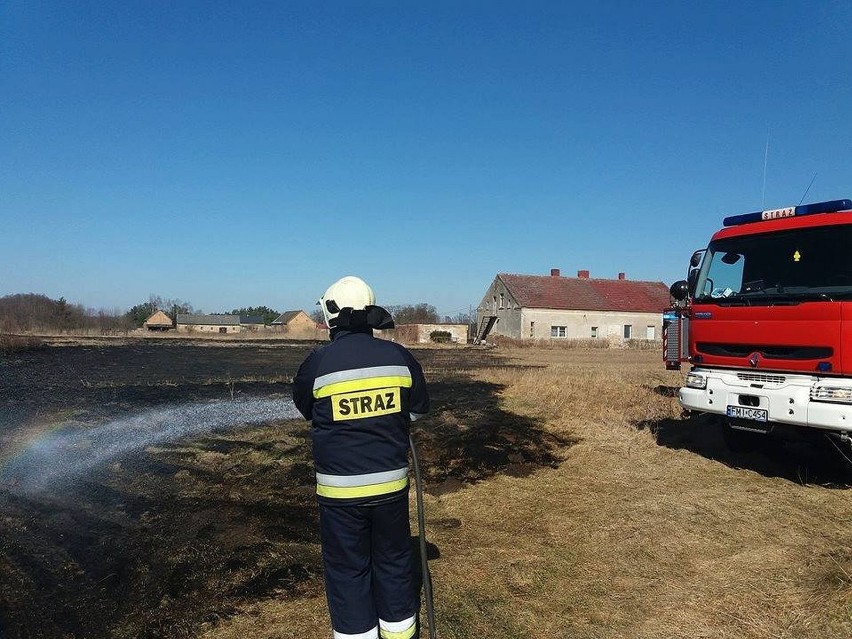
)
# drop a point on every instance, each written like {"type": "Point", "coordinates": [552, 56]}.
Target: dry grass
{"type": "Point", "coordinates": [613, 342]}
{"type": "Point", "coordinates": [626, 538]}
{"type": "Point", "coordinates": [14, 343]}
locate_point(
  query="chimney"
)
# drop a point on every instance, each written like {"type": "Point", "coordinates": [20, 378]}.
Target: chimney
{"type": "Point", "coordinates": [554, 272]}
{"type": "Point", "coordinates": [583, 275]}
{"type": "Point", "coordinates": [622, 276]}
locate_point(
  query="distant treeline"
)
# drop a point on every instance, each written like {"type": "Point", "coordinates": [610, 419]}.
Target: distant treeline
{"type": "Point", "coordinates": [32, 312]}
{"type": "Point", "coordinates": [35, 312]}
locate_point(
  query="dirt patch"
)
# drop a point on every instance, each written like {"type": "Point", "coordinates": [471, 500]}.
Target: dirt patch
{"type": "Point", "coordinates": [471, 437]}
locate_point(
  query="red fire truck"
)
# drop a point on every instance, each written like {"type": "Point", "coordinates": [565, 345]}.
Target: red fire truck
{"type": "Point", "coordinates": [765, 320]}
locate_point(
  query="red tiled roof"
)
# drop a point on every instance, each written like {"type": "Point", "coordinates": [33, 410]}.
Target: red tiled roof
{"type": "Point", "coordinates": [570, 293]}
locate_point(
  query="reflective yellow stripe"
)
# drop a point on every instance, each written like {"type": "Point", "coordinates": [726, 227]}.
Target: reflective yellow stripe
{"type": "Point", "coordinates": [370, 490]}
{"type": "Point", "coordinates": [367, 383]}
{"type": "Point", "coordinates": [403, 634]}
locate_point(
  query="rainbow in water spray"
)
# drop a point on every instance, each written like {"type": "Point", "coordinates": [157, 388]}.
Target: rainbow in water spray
{"type": "Point", "coordinates": [68, 452]}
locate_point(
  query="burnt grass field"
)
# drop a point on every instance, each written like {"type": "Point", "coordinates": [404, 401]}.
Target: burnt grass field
{"type": "Point", "coordinates": [158, 541]}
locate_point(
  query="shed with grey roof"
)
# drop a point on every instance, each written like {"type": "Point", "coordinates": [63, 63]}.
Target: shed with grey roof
{"type": "Point", "coordinates": [217, 323]}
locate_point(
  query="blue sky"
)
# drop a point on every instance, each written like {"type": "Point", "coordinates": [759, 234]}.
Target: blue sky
{"type": "Point", "coordinates": [232, 154]}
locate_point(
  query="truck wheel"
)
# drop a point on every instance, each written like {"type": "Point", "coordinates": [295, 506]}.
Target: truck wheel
{"type": "Point", "coordinates": [742, 441]}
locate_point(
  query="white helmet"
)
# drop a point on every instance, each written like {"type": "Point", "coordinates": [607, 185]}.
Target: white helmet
{"type": "Point", "coordinates": [347, 292]}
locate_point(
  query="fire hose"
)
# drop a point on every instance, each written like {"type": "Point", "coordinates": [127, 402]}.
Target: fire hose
{"type": "Point", "coordinates": [843, 438]}
{"type": "Point", "coordinates": [421, 525]}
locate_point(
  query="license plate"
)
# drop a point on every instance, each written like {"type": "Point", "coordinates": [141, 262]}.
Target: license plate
{"type": "Point", "coordinates": [743, 412]}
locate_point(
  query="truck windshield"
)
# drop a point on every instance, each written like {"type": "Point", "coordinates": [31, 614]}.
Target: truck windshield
{"type": "Point", "coordinates": [803, 264]}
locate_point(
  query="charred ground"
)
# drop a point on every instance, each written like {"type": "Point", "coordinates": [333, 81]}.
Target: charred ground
{"type": "Point", "coordinates": [156, 543]}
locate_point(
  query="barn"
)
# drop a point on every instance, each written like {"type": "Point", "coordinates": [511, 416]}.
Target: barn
{"type": "Point", "coordinates": [252, 322]}
{"type": "Point", "coordinates": [159, 321]}
{"type": "Point", "coordinates": [553, 307]}
{"type": "Point", "coordinates": [294, 322]}
{"type": "Point", "coordinates": [220, 324]}
{"type": "Point", "coordinates": [299, 325]}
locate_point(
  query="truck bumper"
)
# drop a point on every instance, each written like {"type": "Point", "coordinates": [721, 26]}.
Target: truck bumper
{"type": "Point", "coordinates": [785, 398]}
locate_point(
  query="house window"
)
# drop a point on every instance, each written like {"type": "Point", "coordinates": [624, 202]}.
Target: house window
{"type": "Point", "coordinates": [650, 332]}
{"type": "Point", "coordinates": [502, 301]}
{"type": "Point", "coordinates": [628, 331]}
{"type": "Point", "coordinates": [532, 329]}
{"type": "Point", "coordinates": [494, 299]}
{"type": "Point", "coordinates": [594, 331]}
{"type": "Point", "coordinates": [558, 331]}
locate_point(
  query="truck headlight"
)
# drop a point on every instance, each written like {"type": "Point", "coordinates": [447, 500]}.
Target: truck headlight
{"type": "Point", "coordinates": [828, 393]}
{"type": "Point", "coordinates": [696, 380]}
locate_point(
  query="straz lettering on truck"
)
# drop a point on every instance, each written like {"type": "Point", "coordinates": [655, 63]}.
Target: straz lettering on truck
{"type": "Point", "coordinates": [371, 403]}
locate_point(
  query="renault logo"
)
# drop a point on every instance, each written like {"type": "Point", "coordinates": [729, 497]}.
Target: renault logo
{"type": "Point", "coordinates": [754, 360]}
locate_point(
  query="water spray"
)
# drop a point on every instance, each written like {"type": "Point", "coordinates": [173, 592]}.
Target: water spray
{"type": "Point", "coordinates": [72, 450]}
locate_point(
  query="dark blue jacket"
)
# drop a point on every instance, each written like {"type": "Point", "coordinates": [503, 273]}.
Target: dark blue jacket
{"type": "Point", "coordinates": [361, 393]}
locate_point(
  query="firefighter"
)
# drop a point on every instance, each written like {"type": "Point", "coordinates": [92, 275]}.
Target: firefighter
{"type": "Point", "coordinates": [361, 395]}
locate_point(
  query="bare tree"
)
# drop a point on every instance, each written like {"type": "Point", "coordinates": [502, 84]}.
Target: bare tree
{"type": "Point", "coordinates": [33, 312]}
{"type": "Point", "coordinates": [422, 313]}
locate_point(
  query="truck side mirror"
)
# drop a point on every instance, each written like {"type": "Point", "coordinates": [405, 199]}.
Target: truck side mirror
{"type": "Point", "coordinates": [679, 290]}
{"type": "Point", "coordinates": [692, 280]}
{"type": "Point", "coordinates": [695, 260]}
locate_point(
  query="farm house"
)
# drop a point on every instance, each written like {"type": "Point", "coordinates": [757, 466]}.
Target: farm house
{"type": "Point", "coordinates": [556, 307]}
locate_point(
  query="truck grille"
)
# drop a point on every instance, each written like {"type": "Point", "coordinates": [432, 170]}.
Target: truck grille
{"type": "Point", "coordinates": [762, 377]}
{"type": "Point", "coordinates": [767, 351]}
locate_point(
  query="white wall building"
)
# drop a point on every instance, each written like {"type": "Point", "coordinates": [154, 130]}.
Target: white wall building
{"type": "Point", "coordinates": [556, 307]}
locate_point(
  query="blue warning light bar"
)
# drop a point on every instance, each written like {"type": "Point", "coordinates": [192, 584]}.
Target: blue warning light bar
{"type": "Point", "coordinates": [791, 211]}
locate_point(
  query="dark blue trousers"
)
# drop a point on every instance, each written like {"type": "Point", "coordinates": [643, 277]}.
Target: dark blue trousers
{"type": "Point", "coordinates": [369, 566]}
